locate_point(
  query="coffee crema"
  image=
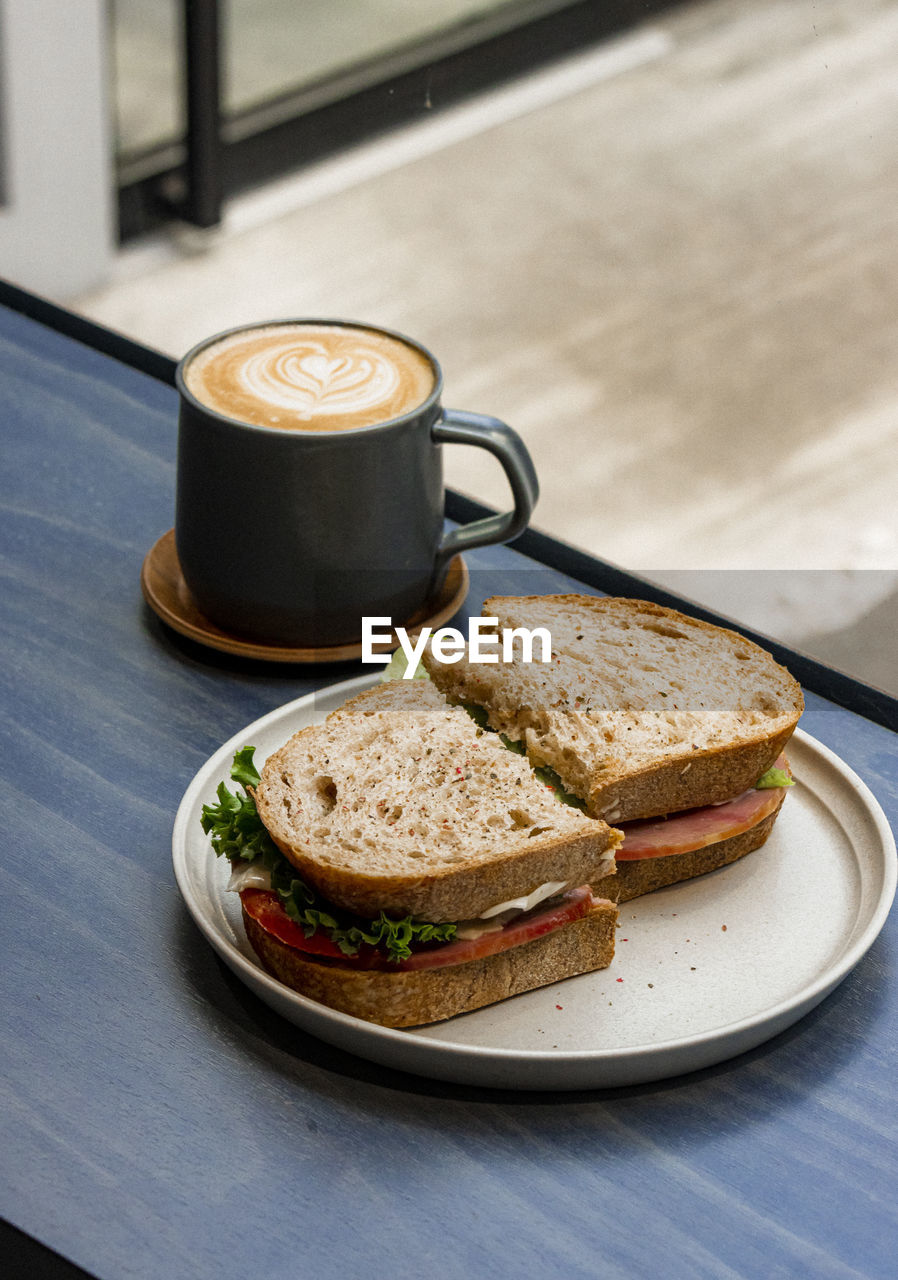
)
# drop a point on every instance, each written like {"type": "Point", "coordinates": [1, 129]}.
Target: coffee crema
{"type": "Point", "coordinates": [310, 377]}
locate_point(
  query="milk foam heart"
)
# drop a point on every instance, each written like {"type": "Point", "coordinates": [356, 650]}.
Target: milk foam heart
{"type": "Point", "coordinates": [308, 377]}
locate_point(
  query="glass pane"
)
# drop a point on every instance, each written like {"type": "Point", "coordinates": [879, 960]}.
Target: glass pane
{"type": "Point", "coordinates": [269, 48]}
{"type": "Point", "coordinates": [146, 46]}
{"type": "Point", "coordinates": [273, 47]}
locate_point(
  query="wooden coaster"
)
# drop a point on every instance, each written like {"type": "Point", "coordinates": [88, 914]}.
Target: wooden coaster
{"type": "Point", "coordinates": [165, 591]}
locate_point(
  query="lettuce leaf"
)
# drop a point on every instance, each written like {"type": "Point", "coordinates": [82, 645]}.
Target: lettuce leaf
{"type": "Point", "coordinates": [398, 665]}
{"type": "Point", "coordinates": [774, 778]}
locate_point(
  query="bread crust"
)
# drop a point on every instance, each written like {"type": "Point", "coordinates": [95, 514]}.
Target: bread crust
{"type": "Point", "coordinates": [638, 876]}
{"type": "Point", "coordinates": [689, 778]}
{"type": "Point", "coordinates": [461, 893]}
{"type": "Point", "coordinates": [712, 776]}
{"type": "Point", "coordinates": [416, 997]}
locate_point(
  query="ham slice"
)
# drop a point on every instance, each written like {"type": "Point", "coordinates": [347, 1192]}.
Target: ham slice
{"type": "Point", "coordinates": [695, 828]}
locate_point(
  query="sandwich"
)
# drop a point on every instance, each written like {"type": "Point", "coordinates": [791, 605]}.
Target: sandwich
{"type": "Point", "coordinates": [669, 728]}
{"type": "Point", "coordinates": [396, 862]}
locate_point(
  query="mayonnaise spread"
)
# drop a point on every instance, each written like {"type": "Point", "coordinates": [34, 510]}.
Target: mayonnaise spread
{"type": "Point", "coordinates": [497, 917]}
{"type": "Point", "coordinates": [246, 875]}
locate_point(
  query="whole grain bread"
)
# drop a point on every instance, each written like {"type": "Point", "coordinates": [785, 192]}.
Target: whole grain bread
{"type": "Point", "coordinates": [641, 711]}
{"type": "Point", "coordinates": [399, 802]}
{"type": "Point", "coordinates": [406, 999]}
{"type": "Point", "coordinates": [643, 875]}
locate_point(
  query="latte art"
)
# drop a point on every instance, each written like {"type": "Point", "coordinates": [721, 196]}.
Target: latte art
{"type": "Point", "coordinates": [309, 382]}
{"type": "Point", "coordinates": [311, 377]}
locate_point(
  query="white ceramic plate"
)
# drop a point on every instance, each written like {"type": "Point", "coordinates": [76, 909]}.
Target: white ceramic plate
{"type": "Point", "coordinates": [703, 971]}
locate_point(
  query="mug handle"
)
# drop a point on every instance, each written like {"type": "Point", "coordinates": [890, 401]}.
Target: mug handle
{"type": "Point", "coordinates": [455, 426]}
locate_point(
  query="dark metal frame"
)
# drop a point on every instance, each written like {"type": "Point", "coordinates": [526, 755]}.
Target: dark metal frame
{"type": "Point", "coordinates": [222, 155]}
{"type": "Point", "coordinates": [834, 685]}
{"type": "Point", "coordinates": [202, 55]}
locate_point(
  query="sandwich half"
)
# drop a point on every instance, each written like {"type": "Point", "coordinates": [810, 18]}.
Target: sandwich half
{"type": "Point", "coordinates": [397, 863]}
{"type": "Point", "coordinates": [670, 728]}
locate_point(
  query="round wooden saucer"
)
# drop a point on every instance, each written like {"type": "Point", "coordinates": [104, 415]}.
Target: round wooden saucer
{"type": "Point", "coordinates": [165, 591]}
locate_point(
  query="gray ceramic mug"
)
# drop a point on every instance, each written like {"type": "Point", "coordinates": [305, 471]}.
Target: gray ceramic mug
{"type": "Point", "coordinates": [297, 514]}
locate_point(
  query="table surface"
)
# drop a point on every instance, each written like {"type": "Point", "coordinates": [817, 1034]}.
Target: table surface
{"type": "Point", "coordinates": [157, 1120]}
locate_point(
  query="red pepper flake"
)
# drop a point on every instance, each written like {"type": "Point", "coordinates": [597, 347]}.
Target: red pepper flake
{"type": "Point", "coordinates": [625, 939]}
{"type": "Point", "coordinates": [723, 928]}
{"type": "Point", "coordinates": [559, 1006]}
{"type": "Point", "coordinates": [620, 979]}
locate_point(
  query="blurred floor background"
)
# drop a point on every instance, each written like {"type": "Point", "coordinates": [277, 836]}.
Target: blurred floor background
{"type": "Point", "coordinates": [668, 262]}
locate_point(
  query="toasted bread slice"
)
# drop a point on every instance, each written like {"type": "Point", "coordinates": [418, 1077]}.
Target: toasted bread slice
{"type": "Point", "coordinates": [400, 803]}
{"type": "Point", "coordinates": [408, 999]}
{"type": "Point", "coordinates": [642, 710]}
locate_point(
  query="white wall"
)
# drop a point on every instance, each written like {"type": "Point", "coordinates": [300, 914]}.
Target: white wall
{"type": "Point", "coordinates": [57, 226]}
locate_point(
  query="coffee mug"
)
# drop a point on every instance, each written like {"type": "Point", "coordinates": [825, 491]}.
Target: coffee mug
{"type": "Point", "coordinates": [310, 481]}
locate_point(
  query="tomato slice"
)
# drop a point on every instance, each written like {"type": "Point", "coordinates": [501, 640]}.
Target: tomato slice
{"type": "Point", "coordinates": [696, 828]}
{"type": "Point", "coordinates": [574, 904]}
{"type": "Point", "coordinates": [265, 908]}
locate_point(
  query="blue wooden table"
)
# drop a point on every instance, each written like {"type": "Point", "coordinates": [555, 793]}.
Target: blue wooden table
{"type": "Point", "coordinates": [157, 1121]}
